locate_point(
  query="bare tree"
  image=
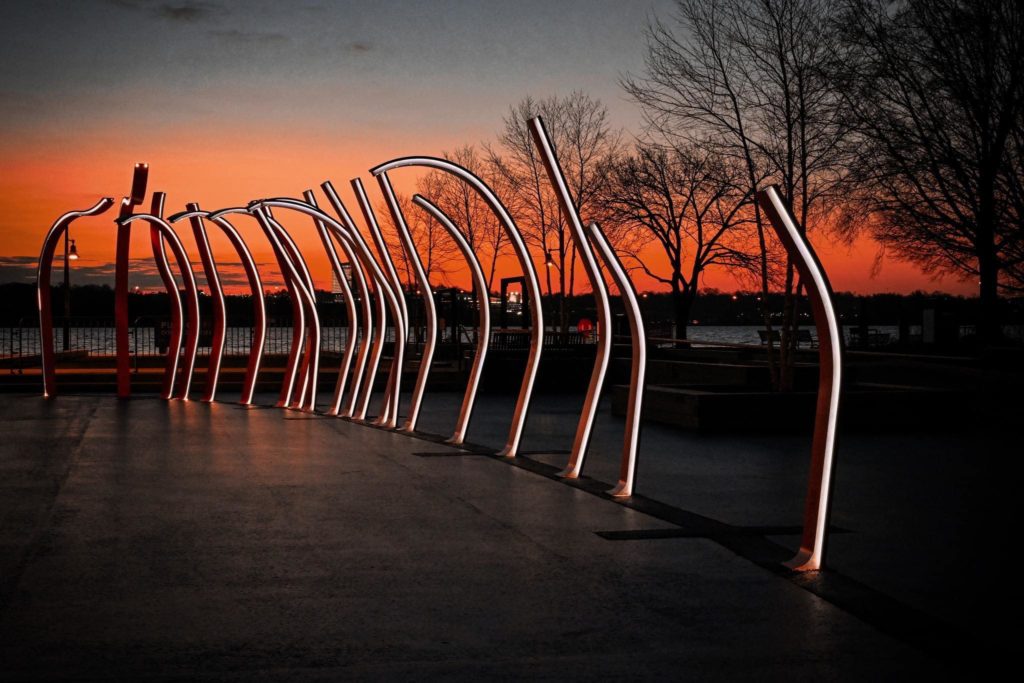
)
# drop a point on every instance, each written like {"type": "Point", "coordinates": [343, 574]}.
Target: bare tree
{"type": "Point", "coordinates": [688, 201]}
{"type": "Point", "coordinates": [753, 78]}
{"type": "Point", "coordinates": [586, 145]}
{"type": "Point", "coordinates": [467, 208]}
{"type": "Point", "coordinates": [938, 91]}
{"type": "Point", "coordinates": [436, 250]}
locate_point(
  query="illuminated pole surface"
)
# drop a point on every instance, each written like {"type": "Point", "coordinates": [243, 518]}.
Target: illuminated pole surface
{"type": "Point", "coordinates": [530, 272]}
{"type": "Point", "coordinates": [392, 393]}
{"type": "Point", "coordinates": [195, 219]}
{"type": "Point", "coordinates": [311, 361]}
{"type": "Point", "coordinates": [638, 367]}
{"type": "Point", "coordinates": [604, 339]}
{"type": "Point", "coordinates": [355, 248]}
{"type": "Point", "coordinates": [305, 397]}
{"type": "Point", "coordinates": [258, 301]}
{"type": "Point", "coordinates": [350, 305]}
{"type": "Point", "coordinates": [390, 406]}
{"type": "Point", "coordinates": [304, 291]}
{"type": "Point", "coordinates": [817, 507]}
{"type": "Point", "coordinates": [121, 322]}
{"type": "Point", "coordinates": [483, 305]}
{"type": "Point", "coordinates": [171, 287]}
{"type": "Point", "coordinates": [167, 232]}
{"type": "Point", "coordinates": [427, 357]}
{"type": "Point", "coordinates": [298, 312]}
{"type": "Point", "coordinates": [44, 274]}
{"type": "Point", "coordinates": [334, 226]}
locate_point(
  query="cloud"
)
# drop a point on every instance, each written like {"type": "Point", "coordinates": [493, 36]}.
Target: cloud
{"type": "Point", "coordinates": [185, 11]}
{"type": "Point", "coordinates": [236, 36]}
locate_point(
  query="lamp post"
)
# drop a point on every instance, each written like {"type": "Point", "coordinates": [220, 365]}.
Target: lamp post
{"type": "Point", "coordinates": [70, 254]}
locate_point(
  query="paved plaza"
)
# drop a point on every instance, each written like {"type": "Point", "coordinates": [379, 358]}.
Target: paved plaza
{"type": "Point", "coordinates": [158, 539]}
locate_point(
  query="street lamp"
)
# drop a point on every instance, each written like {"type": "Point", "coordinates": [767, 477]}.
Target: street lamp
{"type": "Point", "coordinates": [70, 254]}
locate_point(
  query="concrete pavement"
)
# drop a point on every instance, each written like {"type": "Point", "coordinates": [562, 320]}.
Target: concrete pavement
{"type": "Point", "coordinates": [183, 540]}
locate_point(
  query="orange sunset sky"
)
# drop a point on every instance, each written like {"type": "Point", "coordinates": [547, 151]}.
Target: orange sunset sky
{"type": "Point", "coordinates": [228, 102]}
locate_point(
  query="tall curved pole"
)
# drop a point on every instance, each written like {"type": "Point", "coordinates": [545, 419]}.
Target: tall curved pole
{"type": "Point", "coordinates": [638, 367]}
{"type": "Point", "coordinates": [388, 416]}
{"type": "Point", "coordinates": [340, 230]}
{"type": "Point", "coordinates": [374, 323]}
{"type": "Point", "coordinates": [259, 305]}
{"type": "Point", "coordinates": [171, 287]}
{"type": "Point", "coordinates": [121, 322]}
{"type": "Point", "coordinates": [305, 398]}
{"type": "Point", "coordinates": [393, 389]}
{"type": "Point", "coordinates": [43, 295]}
{"type": "Point", "coordinates": [529, 270]}
{"type": "Point", "coordinates": [483, 306]}
{"type": "Point", "coordinates": [166, 232]}
{"type": "Point", "coordinates": [427, 357]}
{"type": "Point", "coordinates": [195, 218]}
{"type": "Point", "coordinates": [584, 427]}
{"type": "Point", "coordinates": [811, 555]}
{"type": "Point", "coordinates": [350, 306]}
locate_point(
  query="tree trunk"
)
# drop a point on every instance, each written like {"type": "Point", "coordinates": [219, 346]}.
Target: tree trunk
{"type": "Point", "coordinates": [682, 302]}
{"type": "Point", "coordinates": [989, 327]}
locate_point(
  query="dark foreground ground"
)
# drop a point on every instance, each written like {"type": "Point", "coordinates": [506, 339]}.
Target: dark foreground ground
{"type": "Point", "coordinates": [183, 540]}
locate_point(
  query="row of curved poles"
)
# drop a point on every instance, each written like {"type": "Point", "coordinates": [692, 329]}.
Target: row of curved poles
{"type": "Point", "coordinates": [376, 286]}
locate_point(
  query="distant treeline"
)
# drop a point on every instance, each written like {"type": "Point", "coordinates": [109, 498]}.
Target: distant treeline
{"type": "Point", "coordinates": [712, 307]}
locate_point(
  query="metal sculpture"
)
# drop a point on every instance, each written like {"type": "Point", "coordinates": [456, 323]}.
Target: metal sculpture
{"type": "Point", "coordinates": [166, 232]}
{"type": "Point", "coordinates": [392, 394]}
{"type": "Point", "coordinates": [43, 274]}
{"type": "Point", "coordinates": [252, 274]}
{"type": "Point", "coordinates": [483, 306]}
{"type": "Point", "coordinates": [638, 364]}
{"type": "Point", "coordinates": [423, 284]}
{"type": "Point", "coordinates": [350, 304]}
{"type": "Point", "coordinates": [585, 426]}
{"type": "Point", "coordinates": [219, 329]}
{"type": "Point", "coordinates": [178, 327]}
{"type": "Point", "coordinates": [529, 271]}
{"type": "Point", "coordinates": [374, 323]}
{"type": "Point", "coordinates": [332, 224]}
{"type": "Point", "coordinates": [121, 322]}
{"type": "Point", "coordinates": [305, 320]}
{"type": "Point", "coordinates": [811, 555]}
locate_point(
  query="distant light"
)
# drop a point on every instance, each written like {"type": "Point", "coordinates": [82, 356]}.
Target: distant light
{"type": "Point", "coordinates": [548, 261]}
{"type": "Point", "coordinates": [73, 253]}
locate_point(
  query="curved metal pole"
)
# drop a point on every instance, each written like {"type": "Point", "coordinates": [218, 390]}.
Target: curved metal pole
{"type": "Point", "coordinates": [388, 416]}
{"type": "Point", "coordinates": [532, 283]}
{"type": "Point", "coordinates": [185, 267]}
{"type": "Point", "coordinates": [373, 319]}
{"type": "Point", "coordinates": [427, 357]}
{"type": "Point", "coordinates": [333, 225]}
{"type": "Point", "coordinates": [43, 275]}
{"type": "Point", "coordinates": [121, 322]}
{"type": "Point", "coordinates": [811, 555]}
{"type": "Point", "coordinates": [298, 312]}
{"type": "Point", "coordinates": [585, 426]}
{"type": "Point", "coordinates": [303, 282]}
{"type": "Point", "coordinates": [195, 218]}
{"type": "Point", "coordinates": [350, 306]}
{"type": "Point", "coordinates": [638, 368]}
{"type": "Point", "coordinates": [171, 287]}
{"type": "Point", "coordinates": [258, 301]}
{"type": "Point", "coordinates": [392, 392]}
{"type": "Point", "coordinates": [484, 307]}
